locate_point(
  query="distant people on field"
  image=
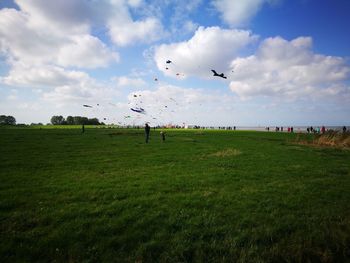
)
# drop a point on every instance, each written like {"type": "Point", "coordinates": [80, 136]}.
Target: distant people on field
{"type": "Point", "coordinates": [281, 129]}
{"type": "Point", "coordinates": [308, 130]}
{"type": "Point", "coordinates": [291, 129]}
{"type": "Point", "coordinates": [344, 129]}
{"type": "Point", "coordinates": [83, 128]}
{"type": "Point", "coordinates": [147, 131]}
{"type": "Point", "coordinates": [323, 129]}
{"type": "Point", "coordinates": [288, 129]}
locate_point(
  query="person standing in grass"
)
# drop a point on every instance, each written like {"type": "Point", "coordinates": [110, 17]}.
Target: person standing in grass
{"type": "Point", "coordinates": [82, 128]}
{"type": "Point", "coordinates": [162, 135]}
{"type": "Point", "coordinates": [147, 131]}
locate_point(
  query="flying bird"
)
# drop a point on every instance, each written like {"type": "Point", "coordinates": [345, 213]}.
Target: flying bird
{"type": "Point", "coordinates": [218, 75]}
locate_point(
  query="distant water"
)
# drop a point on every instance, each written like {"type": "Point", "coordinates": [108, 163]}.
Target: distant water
{"type": "Point", "coordinates": [285, 128]}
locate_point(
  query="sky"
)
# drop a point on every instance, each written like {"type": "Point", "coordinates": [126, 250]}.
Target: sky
{"type": "Point", "coordinates": [286, 62]}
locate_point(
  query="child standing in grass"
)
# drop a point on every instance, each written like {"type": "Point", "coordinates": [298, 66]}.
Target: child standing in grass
{"type": "Point", "coordinates": [162, 135]}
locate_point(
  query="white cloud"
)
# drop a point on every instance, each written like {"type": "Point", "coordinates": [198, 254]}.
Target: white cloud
{"type": "Point", "coordinates": [84, 92]}
{"type": "Point", "coordinates": [65, 15]}
{"type": "Point", "coordinates": [60, 32]}
{"type": "Point", "coordinates": [289, 69]}
{"type": "Point", "coordinates": [86, 51]}
{"type": "Point", "coordinates": [130, 82]}
{"type": "Point", "coordinates": [239, 12]}
{"type": "Point", "coordinates": [23, 75]}
{"type": "Point", "coordinates": [23, 38]}
{"type": "Point", "coordinates": [209, 48]}
{"type": "Point", "coordinates": [125, 32]}
{"type": "Point", "coordinates": [60, 85]}
{"type": "Point", "coordinates": [135, 3]}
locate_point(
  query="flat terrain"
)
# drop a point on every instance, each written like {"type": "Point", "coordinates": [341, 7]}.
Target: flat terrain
{"type": "Point", "coordinates": [201, 196]}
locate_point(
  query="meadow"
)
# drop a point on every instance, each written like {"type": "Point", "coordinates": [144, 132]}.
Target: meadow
{"type": "Point", "coordinates": [200, 196]}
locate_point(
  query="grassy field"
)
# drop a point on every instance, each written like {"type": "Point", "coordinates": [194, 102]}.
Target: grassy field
{"type": "Point", "coordinates": [201, 196]}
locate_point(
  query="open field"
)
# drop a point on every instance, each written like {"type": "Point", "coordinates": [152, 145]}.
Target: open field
{"type": "Point", "coordinates": [202, 196]}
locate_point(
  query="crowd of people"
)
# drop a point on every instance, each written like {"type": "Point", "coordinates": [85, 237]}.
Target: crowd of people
{"type": "Point", "coordinates": [316, 130]}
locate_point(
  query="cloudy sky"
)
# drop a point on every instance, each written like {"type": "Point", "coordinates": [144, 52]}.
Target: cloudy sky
{"type": "Point", "coordinates": [286, 61]}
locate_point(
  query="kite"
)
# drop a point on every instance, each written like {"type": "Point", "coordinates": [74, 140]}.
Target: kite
{"type": "Point", "coordinates": [155, 79]}
{"type": "Point", "coordinates": [166, 68]}
{"type": "Point", "coordinates": [218, 75]}
{"type": "Point", "coordinates": [168, 61]}
{"type": "Point", "coordinates": [87, 106]}
{"type": "Point", "coordinates": [135, 95]}
{"type": "Point", "coordinates": [138, 110]}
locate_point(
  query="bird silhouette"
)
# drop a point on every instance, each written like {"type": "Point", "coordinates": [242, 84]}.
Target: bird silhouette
{"type": "Point", "coordinates": [218, 75]}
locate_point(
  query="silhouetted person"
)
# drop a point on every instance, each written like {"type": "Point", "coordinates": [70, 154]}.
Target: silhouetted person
{"type": "Point", "coordinates": [83, 128]}
{"type": "Point", "coordinates": [147, 131]}
{"type": "Point", "coordinates": [323, 129]}
{"type": "Point", "coordinates": [291, 129]}
{"type": "Point", "coordinates": [344, 129]}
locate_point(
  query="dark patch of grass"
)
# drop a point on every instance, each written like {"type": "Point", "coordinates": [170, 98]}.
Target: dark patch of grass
{"type": "Point", "coordinates": [67, 196]}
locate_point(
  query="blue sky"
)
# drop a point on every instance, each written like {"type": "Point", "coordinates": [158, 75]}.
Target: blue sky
{"type": "Point", "coordinates": [286, 62]}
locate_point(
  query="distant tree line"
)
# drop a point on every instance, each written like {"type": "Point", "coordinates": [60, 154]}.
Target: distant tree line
{"type": "Point", "coordinates": [76, 120]}
{"type": "Point", "coordinates": [7, 120]}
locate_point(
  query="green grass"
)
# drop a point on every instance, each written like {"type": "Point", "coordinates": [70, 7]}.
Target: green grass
{"type": "Point", "coordinates": [202, 196]}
